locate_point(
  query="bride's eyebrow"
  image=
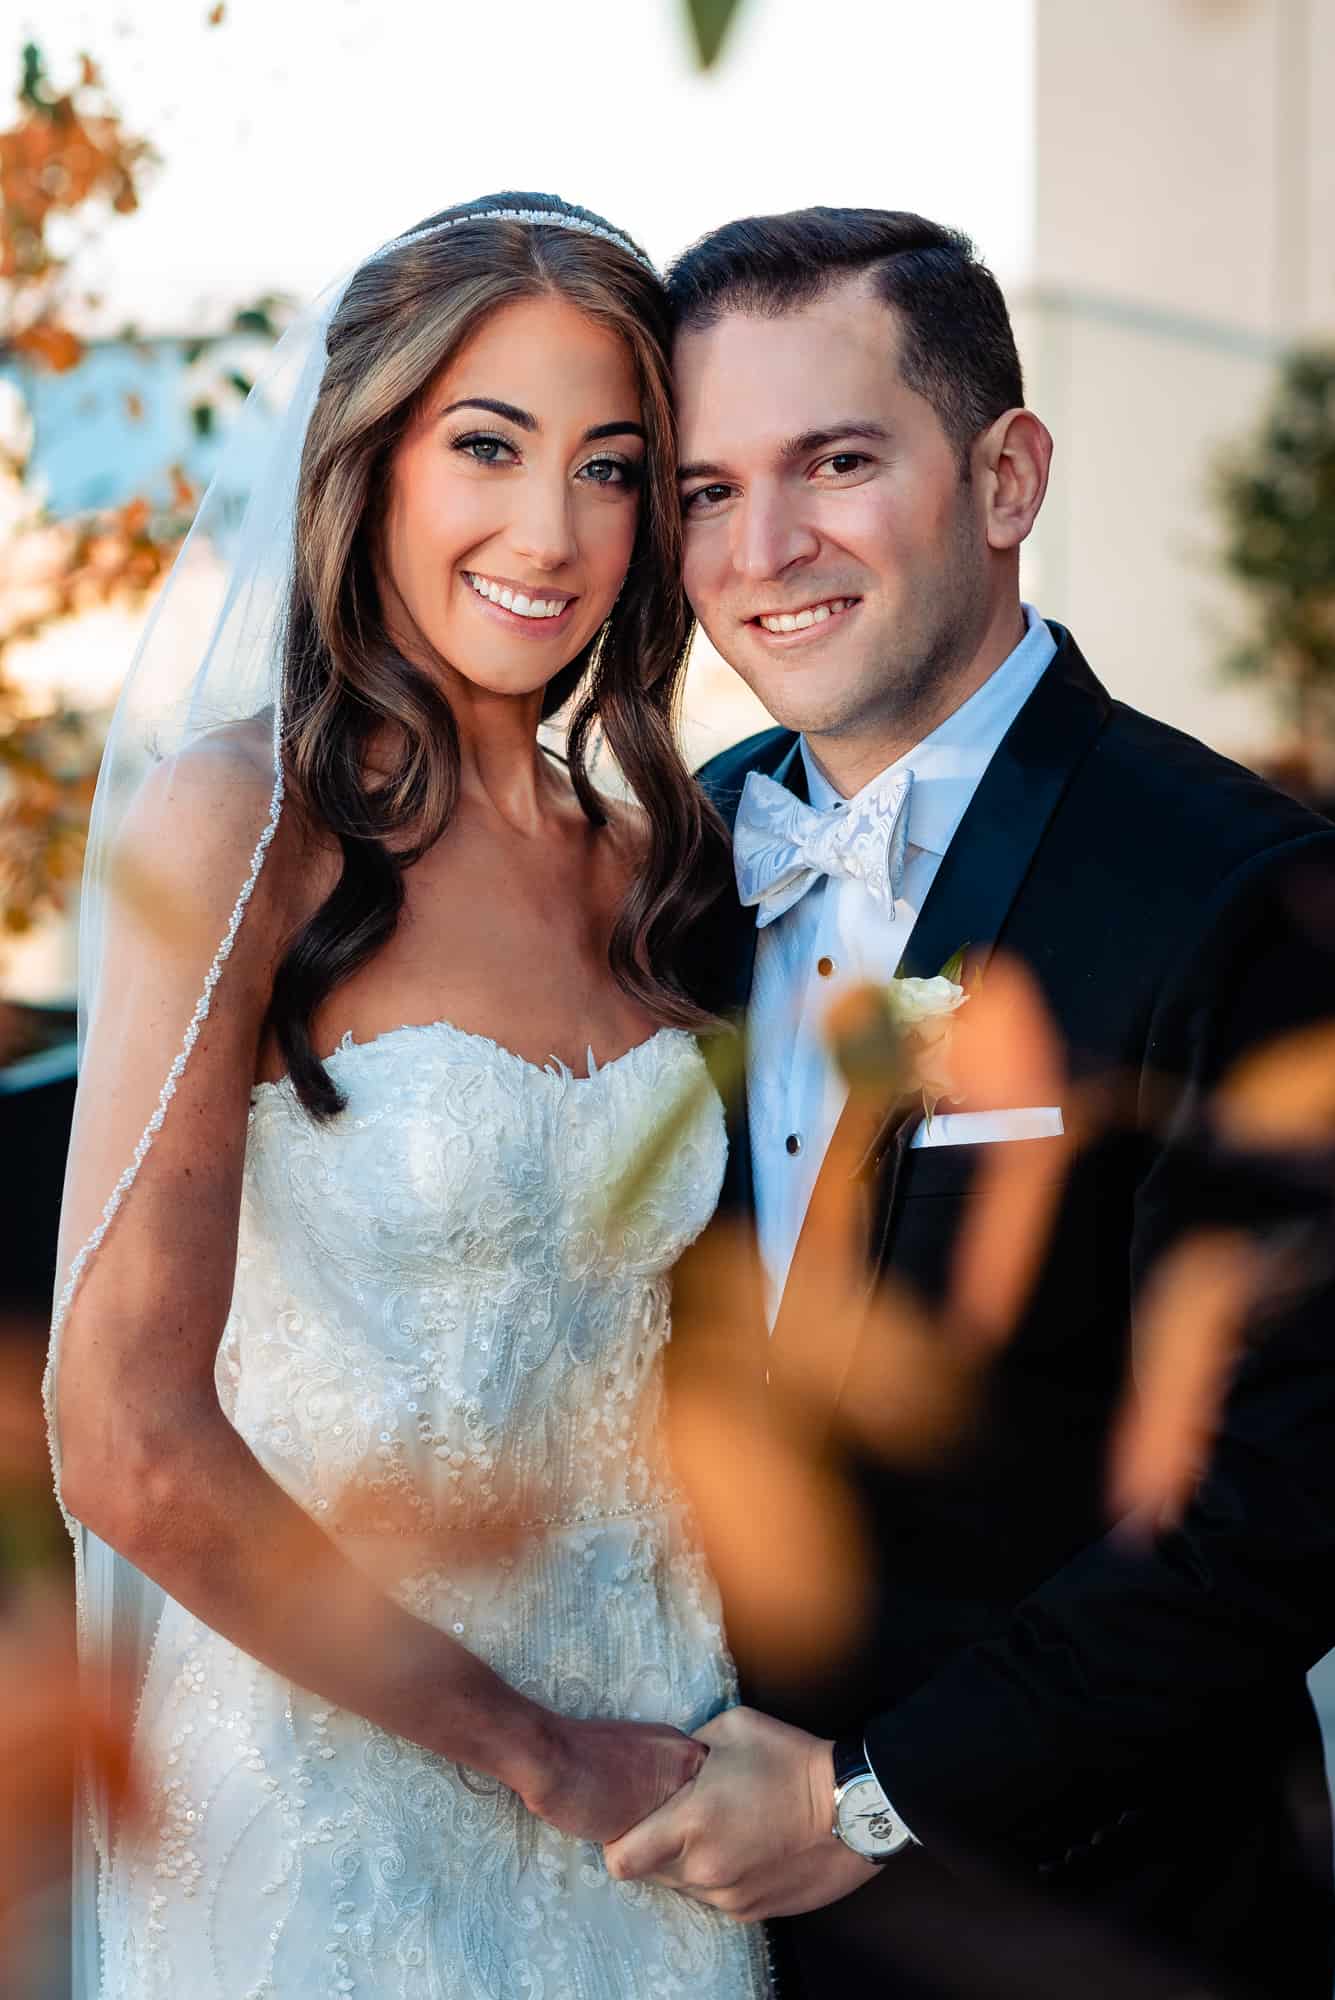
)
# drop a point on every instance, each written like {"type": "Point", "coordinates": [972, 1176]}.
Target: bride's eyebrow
{"type": "Point", "coordinates": [622, 428]}
{"type": "Point", "coordinates": [512, 414]}
{"type": "Point", "coordinates": [526, 421]}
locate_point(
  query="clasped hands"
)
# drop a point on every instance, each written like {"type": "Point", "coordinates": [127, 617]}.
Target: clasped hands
{"type": "Point", "coordinates": [750, 1833]}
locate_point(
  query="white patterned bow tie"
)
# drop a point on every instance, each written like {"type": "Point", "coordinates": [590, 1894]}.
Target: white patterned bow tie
{"type": "Point", "coordinates": [780, 846]}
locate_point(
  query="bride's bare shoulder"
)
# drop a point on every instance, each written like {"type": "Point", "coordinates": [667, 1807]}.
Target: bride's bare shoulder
{"type": "Point", "coordinates": [224, 773]}
{"type": "Point", "coordinates": [628, 831]}
{"type": "Point", "coordinates": [196, 821]}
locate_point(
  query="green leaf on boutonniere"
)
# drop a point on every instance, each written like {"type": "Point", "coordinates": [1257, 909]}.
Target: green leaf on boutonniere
{"type": "Point", "coordinates": [953, 969]}
{"type": "Point", "coordinates": [929, 1105]}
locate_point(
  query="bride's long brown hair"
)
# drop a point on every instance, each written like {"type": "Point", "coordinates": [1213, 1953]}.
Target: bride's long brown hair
{"type": "Point", "coordinates": [404, 315]}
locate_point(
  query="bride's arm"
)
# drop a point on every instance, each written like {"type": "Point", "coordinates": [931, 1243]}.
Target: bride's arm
{"type": "Point", "coordinates": [149, 1461]}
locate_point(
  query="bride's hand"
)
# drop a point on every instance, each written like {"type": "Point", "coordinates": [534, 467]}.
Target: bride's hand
{"type": "Point", "coordinates": [605, 1777]}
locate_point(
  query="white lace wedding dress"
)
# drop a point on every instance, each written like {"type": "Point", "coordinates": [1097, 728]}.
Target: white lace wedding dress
{"type": "Point", "coordinates": [433, 1324]}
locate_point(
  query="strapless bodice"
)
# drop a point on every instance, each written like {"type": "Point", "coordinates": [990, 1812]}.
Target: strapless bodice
{"type": "Point", "coordinates": [450, 1297]}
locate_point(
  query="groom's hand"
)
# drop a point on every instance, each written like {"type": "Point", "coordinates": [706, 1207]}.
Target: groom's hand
{"type": "Point", "coordinates": [751, 1835]}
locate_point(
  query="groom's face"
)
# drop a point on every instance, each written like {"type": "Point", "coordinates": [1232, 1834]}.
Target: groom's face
{"type": "Point", "coordinates": [817, 487]}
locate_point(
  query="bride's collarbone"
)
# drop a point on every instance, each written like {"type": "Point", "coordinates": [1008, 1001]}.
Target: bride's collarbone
{"type": "Point", "coordinates": [495, 947]}
{"type": "Point", "coordinates": [536, 987]}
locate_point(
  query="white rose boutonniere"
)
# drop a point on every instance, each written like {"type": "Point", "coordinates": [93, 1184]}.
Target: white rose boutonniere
{"type": "Point", "coordinates": [896, 1039]}
{"type": "Point", "coordinates": [924, 1011]}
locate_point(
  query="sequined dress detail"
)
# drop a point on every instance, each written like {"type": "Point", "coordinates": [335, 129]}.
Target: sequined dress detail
{"type": "Point", "coordinates": [435, 1321]}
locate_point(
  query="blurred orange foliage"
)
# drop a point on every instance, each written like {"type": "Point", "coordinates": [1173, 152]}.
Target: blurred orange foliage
{"type": "Point", "coordinates": [1188, 1334]}
{"type": "Point", "coordinates": [67, 156]}
{"type": "Point", "coordinates": [68, 150]}
{"type": "Point", "coordinates": [50, 1735]}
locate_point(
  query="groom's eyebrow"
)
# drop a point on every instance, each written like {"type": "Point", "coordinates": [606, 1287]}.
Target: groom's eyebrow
{"type": "Point", "coordinates": [806, 442]}
{"type": "Point", "coordinates": [800, 446]}
{"type": "Point", "coordinates": [526, 421]}
{"type": "Point", "coordinates": [702, 468]}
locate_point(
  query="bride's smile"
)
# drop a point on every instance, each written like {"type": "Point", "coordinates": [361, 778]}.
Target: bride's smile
{"type": "Point", "coordinates": [533, 601]}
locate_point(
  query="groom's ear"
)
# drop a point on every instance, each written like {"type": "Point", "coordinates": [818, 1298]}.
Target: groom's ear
{"type": "Point", "coordinates": [1009, 464]}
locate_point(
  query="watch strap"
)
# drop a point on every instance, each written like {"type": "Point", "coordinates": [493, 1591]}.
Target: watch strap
{"type": "Point", "coordinates": [850, 1760]}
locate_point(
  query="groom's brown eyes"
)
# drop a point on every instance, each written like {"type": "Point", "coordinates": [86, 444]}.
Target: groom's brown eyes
{"type": "Point", "coordinates": [711, 494]}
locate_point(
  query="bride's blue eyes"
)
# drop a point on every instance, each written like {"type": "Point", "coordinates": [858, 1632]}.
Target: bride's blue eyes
{"type": "Point", "coordinates": [612, 472]}
{"type": "Point", "coordinates": [481, 448]}
{"type": "Point", "coordinates": [485, 449]}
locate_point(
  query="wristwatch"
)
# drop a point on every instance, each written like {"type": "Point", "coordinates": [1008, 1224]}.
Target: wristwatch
{"type": "Point", "coordinates": [864, 1818]}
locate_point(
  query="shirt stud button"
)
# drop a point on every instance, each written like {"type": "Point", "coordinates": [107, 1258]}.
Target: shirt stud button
{"type": "Point", "coordinates": [825, 967]}
{"type": "Point", "coordinates": [793, 1143]}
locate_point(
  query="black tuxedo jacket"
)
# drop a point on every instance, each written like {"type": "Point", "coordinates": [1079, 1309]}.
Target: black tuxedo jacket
{"type": "Point", "coordinates": [1118, 1734]}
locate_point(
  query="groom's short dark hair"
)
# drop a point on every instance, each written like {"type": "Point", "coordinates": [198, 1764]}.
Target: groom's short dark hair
{"type": "Point", "coordinates": [957, 351]}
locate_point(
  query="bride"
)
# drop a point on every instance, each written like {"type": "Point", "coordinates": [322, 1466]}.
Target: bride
{"type": "Point", "coordinates": [358, 1359]}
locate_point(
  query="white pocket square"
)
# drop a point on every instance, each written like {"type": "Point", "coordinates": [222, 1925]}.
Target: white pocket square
{"type": "Point", "coordinates": [976, 1128]}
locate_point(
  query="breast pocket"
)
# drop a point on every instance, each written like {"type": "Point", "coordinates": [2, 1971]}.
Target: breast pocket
{"type": "Point", "coordinates": [956, 1169]}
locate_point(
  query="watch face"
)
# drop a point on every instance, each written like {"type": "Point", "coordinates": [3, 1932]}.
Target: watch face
{"type": "Point", "coordinates": [867, 1823]}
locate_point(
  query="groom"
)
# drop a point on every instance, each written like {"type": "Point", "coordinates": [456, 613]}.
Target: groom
{"type": "Point", "coordinates": [1051, 1745]}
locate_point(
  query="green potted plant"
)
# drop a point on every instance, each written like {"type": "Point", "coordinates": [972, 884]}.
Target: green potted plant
{"type": "Point", "coordinates": [1276, 497]}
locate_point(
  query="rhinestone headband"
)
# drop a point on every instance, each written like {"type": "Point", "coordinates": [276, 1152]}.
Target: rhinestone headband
{"type": "Point", "coordinates": [547, 218]}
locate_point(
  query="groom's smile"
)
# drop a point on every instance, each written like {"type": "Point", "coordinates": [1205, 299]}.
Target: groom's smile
{"type": "Point", "coordinates": [807, 618]}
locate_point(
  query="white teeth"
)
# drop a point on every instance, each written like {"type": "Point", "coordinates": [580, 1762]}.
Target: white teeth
{"type": "Point", "coordinates": [516, 601]}
{"type": "Point", "coordinates": [814, 614]}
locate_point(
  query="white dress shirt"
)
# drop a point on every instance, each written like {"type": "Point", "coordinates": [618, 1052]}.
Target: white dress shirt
{"type": "Point", "coordinates": [837, 936]}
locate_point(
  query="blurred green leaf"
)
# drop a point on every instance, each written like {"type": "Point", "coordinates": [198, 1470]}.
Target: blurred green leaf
{"type": "Point", "coordinates": [868, 1042]}
{"type": "Point", "coordinates": [710, 21]}
{"type": "Point", "coordinates": [203, 417]}
{"type": "Point", "coordinates": [31, 1533]}
{"type": "Point", "coordinates": [253, 319]}
{"type": "Point", "coordinates": [726, 1074]}
{"type": "Point", "coordinates": [31, 90]}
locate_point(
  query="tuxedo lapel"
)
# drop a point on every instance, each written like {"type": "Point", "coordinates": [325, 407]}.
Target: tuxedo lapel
{"type": "Point", "coordinates": [985, 865]}
{"type": "Point", "coordinates": [981, 874]}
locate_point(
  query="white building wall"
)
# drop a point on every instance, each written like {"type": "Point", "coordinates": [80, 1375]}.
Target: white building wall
{"type": "Point", "coordinates": [1184, 235]}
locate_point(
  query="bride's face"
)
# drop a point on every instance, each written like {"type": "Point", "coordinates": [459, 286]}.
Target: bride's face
{"type": "Point", "coordinates": [513, 499]}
